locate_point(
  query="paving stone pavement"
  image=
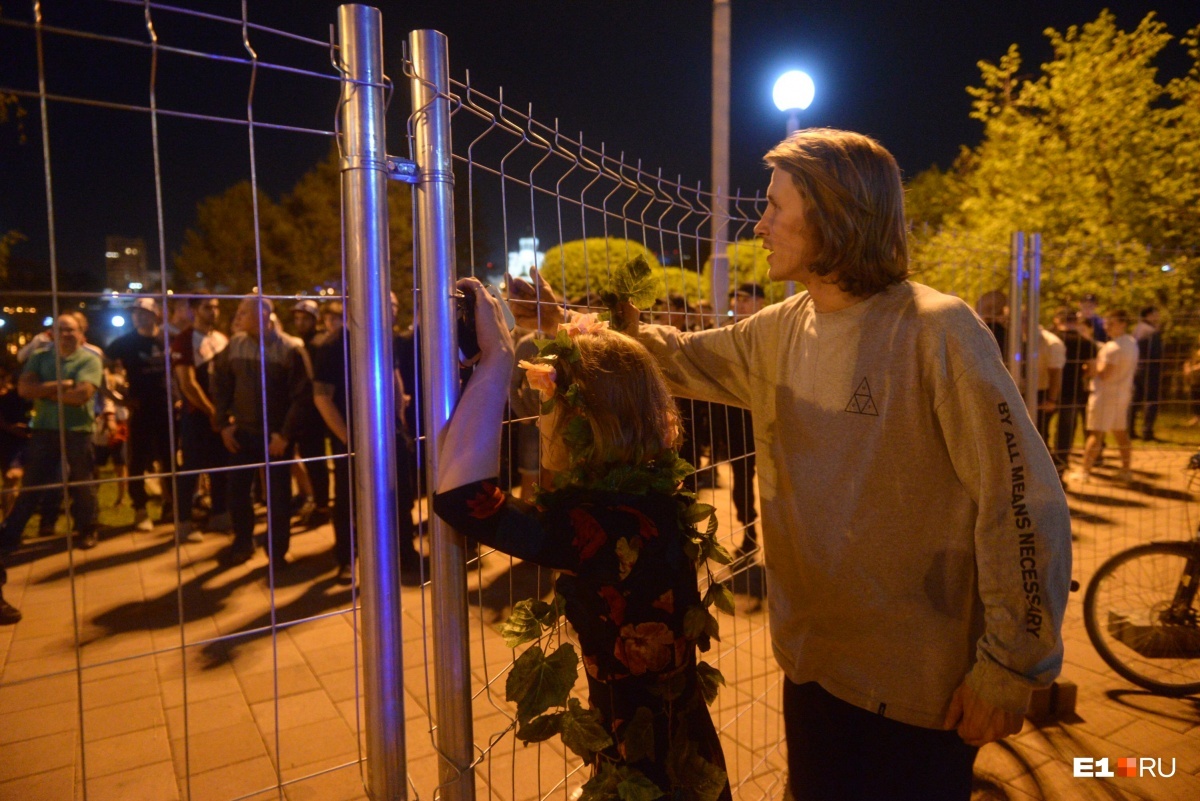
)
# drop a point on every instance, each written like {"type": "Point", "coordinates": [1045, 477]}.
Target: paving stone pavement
{"type": "Point", "coordinates": [185, 684]}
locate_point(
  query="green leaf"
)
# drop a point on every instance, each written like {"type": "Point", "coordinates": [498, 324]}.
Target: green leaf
{"type": "Point", "coordinates": [521, 626]}
{"type": "Point", "coordinates": [688, 770]}
{"type": "Point", "coordinates": [636, 786]}
{"type": "Point", "coordinates": [627, 555]}
{"type": "Point", "coordinates": [697, 512]}
{"type": "Point", "coordinates": [603, 785]}
{"type": "Point", "coordinates": [583, 730]}
{"type": "Point", "coordinates": [540, 728]}
{"type": "Point", "coordinates": [548, 613]}
{"type": "Point", "coordinates": [711, 529]}
{"type": "Point", "coordinates": [542, 343]}
{"type": "Point", "coordinates": [639, 736]}
{"type": "Point", "coordinates": [711, 627]}
{"type": "Point", "coordinates": [538, 682]}
{"type": "Point", "coordinates": [694, 622]}
{"type": "Point", "coordinates": [716, 551]}
{"type": "Point", "coordinates": [710, 679]}
{"type": "Point", "coordinates": [720, 596]}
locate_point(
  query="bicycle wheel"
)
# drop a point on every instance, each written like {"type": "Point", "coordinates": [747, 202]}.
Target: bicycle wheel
{"type": "Point", "coordinates": [1127, 611]}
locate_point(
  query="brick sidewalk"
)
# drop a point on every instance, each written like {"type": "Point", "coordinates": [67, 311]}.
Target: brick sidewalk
{"type": "Point", "coordinates": [263, 710]}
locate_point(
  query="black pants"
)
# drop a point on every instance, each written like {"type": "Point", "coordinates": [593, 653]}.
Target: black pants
{"type": "Point", "coordinates": [343, 497]}
{"type": "Point", "coordinates": [312, 444]}
{"type": "Point", "coordinates": [741, 464]}
{"type": "Point", "coordinates": [839, 752]}
{"type": "Point", "coordinates": [44, 468]}
{"type": "Point", "coordinates": [241, 504]}
{"type": "Point", "coordinates": [202, 450]}
{"type": "Point", "coordinates": [1069, 414]}
{"type": "Point", "coordinates": [149, 442]}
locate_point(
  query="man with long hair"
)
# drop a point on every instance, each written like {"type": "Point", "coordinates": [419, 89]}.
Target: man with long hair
{"type": "Point", "coordinates": [916, 536]}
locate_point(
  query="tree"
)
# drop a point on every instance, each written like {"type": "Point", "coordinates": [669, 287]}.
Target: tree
{"type": "Point", "coordinates": [1094, 153]}
{"type": "Point", "coordinates": [219, 250]}
{"type": "Point", "coordinates": [584, 265]}
{"type": "Point", "coordinates": [10, 109]}
{"type": "Point", "coordinates": [747, 263]}
{"type": "Point", "coordinates": [300, 237]}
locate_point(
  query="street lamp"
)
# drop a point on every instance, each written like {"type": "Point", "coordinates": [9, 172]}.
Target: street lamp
{"type": "Point", "coordinates": [793, 93]}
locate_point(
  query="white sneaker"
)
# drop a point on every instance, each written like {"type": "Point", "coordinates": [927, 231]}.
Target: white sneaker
{"type": "Point", "coordinates": [190, 533]}
{"type": "Point", "coordinates": [1079, 477]}
{"type": "Point", "coordinates": [141, 520]}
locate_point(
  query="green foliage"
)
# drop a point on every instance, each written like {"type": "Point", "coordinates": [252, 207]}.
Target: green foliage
{"type": "Point", "coordinates": [1093, 152]}
{"type": "Point", "coordinates": [639, 736]}
{"type": "Point", "coordinates": [300, 237]}
{"type": "Point", "coordinates": [538, 682]}
{"type": "Point", "coordinates": [747, 263]}
{"type": "Point", "coordinates": [583, 730]}
{"type": "Point", "coordinates": [711, 680]}
{"type": "Point", "coordinates": [692, 772]}
{"type": "Point", "coordinates": [583, 266]}
{"type": "Point", "coordinates": [7, 240]}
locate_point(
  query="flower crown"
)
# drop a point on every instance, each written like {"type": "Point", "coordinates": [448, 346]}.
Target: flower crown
{"type": "Point", "coordinates": [632, 282]}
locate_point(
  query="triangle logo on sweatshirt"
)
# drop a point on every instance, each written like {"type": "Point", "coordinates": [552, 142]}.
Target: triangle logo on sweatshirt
{"type": "Point", "coordinates": [862, 402]}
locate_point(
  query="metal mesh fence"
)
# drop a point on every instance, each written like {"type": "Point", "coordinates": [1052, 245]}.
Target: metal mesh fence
{"type": "Point", "coordinates": [578, 212]}
{"type": "Point", "coordinates": [155, 656]}
{"type": "Point", "coordinates": [158, 663]}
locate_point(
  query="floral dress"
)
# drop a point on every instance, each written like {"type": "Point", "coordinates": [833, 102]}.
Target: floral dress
{"type": "Point", "coordinates": [628, 584]}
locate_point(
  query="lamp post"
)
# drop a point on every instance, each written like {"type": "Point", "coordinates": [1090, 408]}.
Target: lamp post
{"type": "Point", "coordinates": [793, 92]}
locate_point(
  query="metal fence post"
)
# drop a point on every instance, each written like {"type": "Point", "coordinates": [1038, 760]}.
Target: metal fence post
{"type": "Point", "coordinates": [373, 410]}
{"type": "Point", "coordinates": [433, 233]}
{"type": "Point", "coordinates": [1033, 333]}
{"type": "Point", "coordinates": [1016, 283]}
{"type": "Point", "coordinates": [720, 160]}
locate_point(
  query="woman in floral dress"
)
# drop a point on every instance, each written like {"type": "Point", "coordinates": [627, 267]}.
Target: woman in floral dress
{"type": "Point", "coordinates": [617, 530]}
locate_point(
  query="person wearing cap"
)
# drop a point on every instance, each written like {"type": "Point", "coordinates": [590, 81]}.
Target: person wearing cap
{"type": "Point", "coordinates": [143, 355]}
{"type": "Point", "coordinates": [748, 299]}
{"type": "Point", "coordinates": [305, 315]}
{"type": "Point", "coordinates": [1092, 319]}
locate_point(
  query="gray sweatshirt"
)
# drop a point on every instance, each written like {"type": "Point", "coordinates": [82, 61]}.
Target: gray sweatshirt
{"type": "Point", "coordinates": [914, 527]}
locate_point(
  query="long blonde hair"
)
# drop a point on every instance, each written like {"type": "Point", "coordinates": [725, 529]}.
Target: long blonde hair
{"type": "Point", "coordinates": [624, 399]}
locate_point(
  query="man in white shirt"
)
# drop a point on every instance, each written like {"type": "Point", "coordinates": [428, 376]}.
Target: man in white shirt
{"type": "Point", "coordinates": [1112, 392]}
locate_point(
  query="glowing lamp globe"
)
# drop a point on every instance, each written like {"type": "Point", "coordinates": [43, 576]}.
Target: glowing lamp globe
{"type": "Point", "coordinates": [793, 91]}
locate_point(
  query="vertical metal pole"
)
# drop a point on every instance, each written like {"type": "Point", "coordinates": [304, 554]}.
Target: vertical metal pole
{"type": "Point", "coordinates": [720, 159]}
{"type": "Point", "coordinates": [433, 229]}
{"type": "Point", "coordinates": [1016, 283]}
{"type": "Point", "coordinates": [373, 410]}
{"type": "Point", "coordinates": [793, 125]}
{"type": "Point", "coordinates": [1033, 333]}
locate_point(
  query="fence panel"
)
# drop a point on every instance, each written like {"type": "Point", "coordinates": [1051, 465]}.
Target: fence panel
{"type": "Point", "coordinates": [156, 656]}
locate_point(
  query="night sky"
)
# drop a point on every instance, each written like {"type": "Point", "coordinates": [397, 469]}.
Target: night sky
{"type": "Point", "coordinates": [635, 75]}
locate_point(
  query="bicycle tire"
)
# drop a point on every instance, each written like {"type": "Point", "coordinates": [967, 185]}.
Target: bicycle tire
{"type": "Point", "coordinates": [1120, 613]}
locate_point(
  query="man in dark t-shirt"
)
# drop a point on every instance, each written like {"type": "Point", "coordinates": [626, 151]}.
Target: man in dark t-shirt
{"type": "Point", "coordinates": [143, 355]}
{"type": "Point", "coordinates": [1081, 352]}
{"type": "Point", "coordinates": [332, 401]}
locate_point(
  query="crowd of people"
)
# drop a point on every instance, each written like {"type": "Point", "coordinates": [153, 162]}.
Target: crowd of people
{"type": "Point", "coordinates": [1096, 373]}
{"type": "Point", "coordinates": [180, 395]}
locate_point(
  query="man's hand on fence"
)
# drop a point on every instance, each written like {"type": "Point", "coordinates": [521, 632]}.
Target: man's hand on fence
{"type": "Point", "coordinates": [534, 305]}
